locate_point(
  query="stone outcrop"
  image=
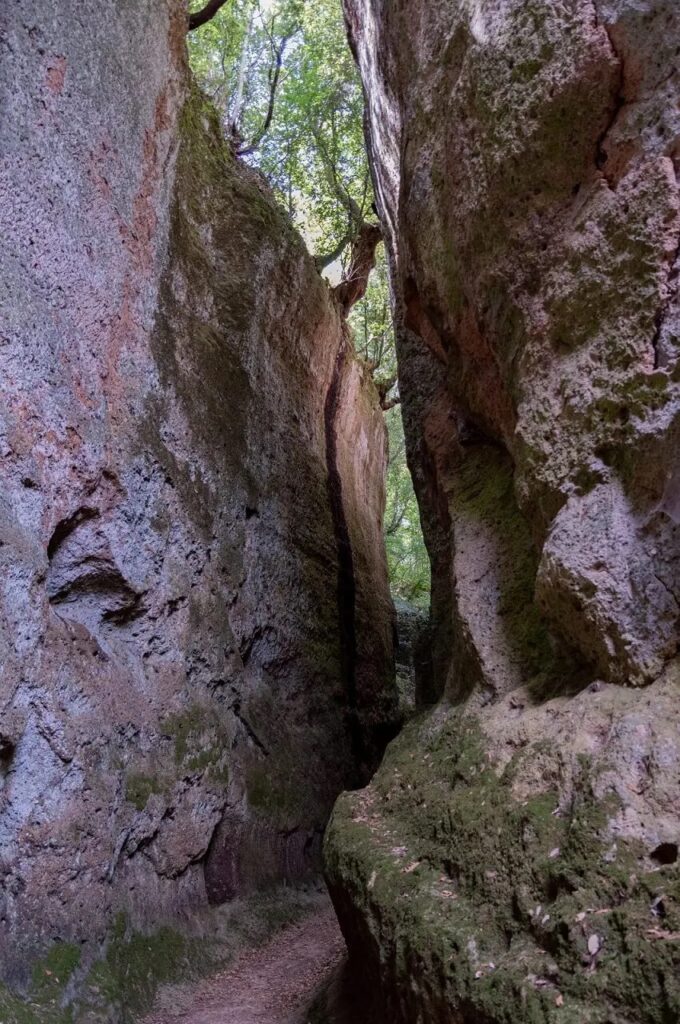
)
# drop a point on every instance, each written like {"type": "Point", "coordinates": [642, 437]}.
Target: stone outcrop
{"type": "Point", "coordinates": [516, 857]}
{"type": "Point", "coordinates": [195, 623]}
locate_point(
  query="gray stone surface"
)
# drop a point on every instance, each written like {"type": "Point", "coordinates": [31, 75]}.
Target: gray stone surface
{"type": "Point", "coordinates": [527, 158]}
{"type": "Point", "coordinates": [186, 516]}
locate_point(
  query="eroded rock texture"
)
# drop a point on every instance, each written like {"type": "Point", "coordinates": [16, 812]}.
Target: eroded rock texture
{"type": "Point", "coordinates": [195, 625]}
{"type": "Point", "coordinates": [516, 857]}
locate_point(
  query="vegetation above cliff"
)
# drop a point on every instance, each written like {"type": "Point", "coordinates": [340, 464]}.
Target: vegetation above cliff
{"type": "Point", "coordinates": [283, 80]}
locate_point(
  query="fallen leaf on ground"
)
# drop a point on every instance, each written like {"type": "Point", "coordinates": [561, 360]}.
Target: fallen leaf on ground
{"type": "Point", "coordinates": [660, 933]}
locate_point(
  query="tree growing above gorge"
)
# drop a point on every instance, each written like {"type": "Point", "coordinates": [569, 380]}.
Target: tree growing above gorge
{"type": "Point", "coordinates": [281, 75]}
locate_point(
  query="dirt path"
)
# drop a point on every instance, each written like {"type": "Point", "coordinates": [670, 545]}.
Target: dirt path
{"type": "Point", "coordinates": [274, 984]}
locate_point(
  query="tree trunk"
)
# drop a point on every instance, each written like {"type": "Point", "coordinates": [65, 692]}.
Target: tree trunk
{"type": "Point", "coordinates": [353, 286]}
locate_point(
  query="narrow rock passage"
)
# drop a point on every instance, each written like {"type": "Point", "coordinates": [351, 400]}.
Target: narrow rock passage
{"type": "Point", "coordinates": [274, 984]}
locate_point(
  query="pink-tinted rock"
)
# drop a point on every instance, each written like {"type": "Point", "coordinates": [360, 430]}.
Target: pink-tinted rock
{"type": "Point", "coordinates": [535, 245]}
{"type": "Point", "coordinates": [527, 158]}
{"type": "Point", "coordinates": [183, 532]}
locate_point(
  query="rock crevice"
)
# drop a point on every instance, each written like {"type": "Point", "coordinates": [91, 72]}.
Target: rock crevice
{"type": "Point", "coordinates": [346, 587]}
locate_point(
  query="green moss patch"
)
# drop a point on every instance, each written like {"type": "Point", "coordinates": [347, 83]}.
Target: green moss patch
{"type": "Point", "coordinates": [139, 787]}
{"type": "Point", "coordinates": [135, 964]}
{"type": "Point", "coordinates": [46, 1001]}
{"type": "Point", "coordinates": [505, 909]}
{"type": "Point", "coordinates": [200, 741]}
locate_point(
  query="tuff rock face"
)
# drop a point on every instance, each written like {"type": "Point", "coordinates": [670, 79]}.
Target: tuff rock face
{"type": "Point", "coordinates": [516, 857]}
{"type": "Point", "coordinates": [193, 595]}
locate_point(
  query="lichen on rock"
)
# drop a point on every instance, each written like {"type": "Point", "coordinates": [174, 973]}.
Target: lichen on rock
{"type": "Point", "coordinates": [515, 857]}
{"type": "Point", "coordinates": [169, 607]}
{"type": "Point", "coordinates": [495, 850]}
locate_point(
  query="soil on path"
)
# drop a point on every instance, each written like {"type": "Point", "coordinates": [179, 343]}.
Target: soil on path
{"type": "Point", "coordinates": [273, 984]}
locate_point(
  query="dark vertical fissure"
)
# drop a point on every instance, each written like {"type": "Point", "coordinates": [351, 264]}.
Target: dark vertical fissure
{"type": "Point", "coordinates": [346, 577]}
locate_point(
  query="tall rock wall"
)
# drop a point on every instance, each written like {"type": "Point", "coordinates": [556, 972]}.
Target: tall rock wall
{"type": "Point", "coordinates": [516, 857]}
{"type": "Point", "coordinates": [195, 623]}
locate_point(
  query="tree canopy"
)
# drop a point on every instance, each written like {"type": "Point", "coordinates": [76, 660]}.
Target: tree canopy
{"type": "Point", "coordinates": [284, 80]}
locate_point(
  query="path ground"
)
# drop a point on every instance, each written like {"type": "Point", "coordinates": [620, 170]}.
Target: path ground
{"type": "Point", "coordinates": [273, 984]}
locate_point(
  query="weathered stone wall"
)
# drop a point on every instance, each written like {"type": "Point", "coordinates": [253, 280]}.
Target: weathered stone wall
{"type": "Point", "coordinates": [178, 704]}
{"type": "Point", "coordinates": [515, 849]}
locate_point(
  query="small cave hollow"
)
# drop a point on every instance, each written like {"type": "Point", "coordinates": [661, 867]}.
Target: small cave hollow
{"type": "Point", "coordinates": [665, 854]}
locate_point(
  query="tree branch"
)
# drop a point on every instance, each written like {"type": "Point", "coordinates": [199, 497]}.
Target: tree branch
{"type": "Point", "coordinates": [353, 286]}
{"type": "Point", "coordinates": [205, 15]}
{"type": "Point", "coordinates": [354, 212]}
{"type": "Point", "coordinates": [330, 257]}
{"type": "Point", "coordinates": [383, 386]}
{"type": "Point", "coordinates": [390, 403]}
{"type": "Point", "coordinates": [350, 204]}
{"type": "Point", "coordinates": [274, 76]}
{"type": "Point", "coordinates": [238, 103]}
{"type": "Point", "coordinates": [395, 522]}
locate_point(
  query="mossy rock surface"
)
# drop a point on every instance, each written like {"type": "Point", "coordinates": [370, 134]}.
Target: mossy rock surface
{"type": "Point", "coordinates": [496, 869]}
{"type": "Point", "coordinates": [120, 987]}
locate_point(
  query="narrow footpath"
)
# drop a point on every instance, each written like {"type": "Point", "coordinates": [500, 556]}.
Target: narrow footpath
{"type": "Point", "coordinates": [273, 984]}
